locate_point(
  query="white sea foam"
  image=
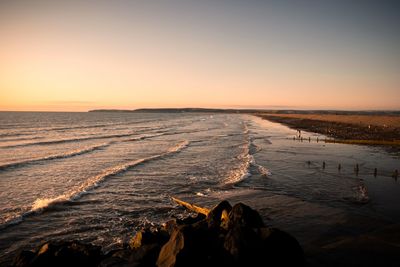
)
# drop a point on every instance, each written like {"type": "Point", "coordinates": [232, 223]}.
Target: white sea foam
{"type": "Point", "coordinates": [362, 194]}
{"type": "Point", "coordinates": [178, 147]}
{"type": "Point", "coordinates": [245, 158]}
{"type": "Point", "coordinates": [245, 129]}
{"type": "Point", "coordinates": [68, 154]}
{"type": "Point", "coordinates": [60, 141]}
{"type": "Point", "coordinates": [75, 152]}
{"type": "Point", "coordinates": [94, 181]}
{"type": "Point", "coordinates": [263, 171]}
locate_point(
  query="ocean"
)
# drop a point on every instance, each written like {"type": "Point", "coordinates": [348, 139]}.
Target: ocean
{"type": "Point", "coordinates": [99, 177]}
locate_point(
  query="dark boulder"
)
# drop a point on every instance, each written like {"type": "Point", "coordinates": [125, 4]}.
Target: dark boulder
{"type": "Point", "coordinates": [24, 258]}
{"type": "Point", "coordinates": [282, 248]}
{"type": "Point", "coordinates": [170, 250]}
{"type": "Point", "coordinates": [239, 239]}
{"type": "Point", "coordinates": [251, 243]}
{"type": "Point", "coordinates": [149, 237]}
{"type": "Point", "coordinates": [144, 256]}
{"type": "Point", "coordinates": [191, 219]}
{"type": "Point", "coordinates": [62, 254]}
{"type": "Point", "coordinates": [244, 246]}
{"type": "Point", "coordinates": [193, 245]}
{"type": "Point", "coordinates": [218, 214]}
{"type": "Point", "coordinates": [244, 216]}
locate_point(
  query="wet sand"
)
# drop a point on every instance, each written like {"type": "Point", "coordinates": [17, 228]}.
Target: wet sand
{"type": "Point", "coordinates": [362, 120]}
{"type": "Point", "coordinates": [342, 240]}
{"type": "Point", "coordinates": [354, 239]}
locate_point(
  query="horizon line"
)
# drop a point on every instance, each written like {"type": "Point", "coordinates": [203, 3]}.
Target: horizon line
{"type": "Point", "coordinates": [208, 108]}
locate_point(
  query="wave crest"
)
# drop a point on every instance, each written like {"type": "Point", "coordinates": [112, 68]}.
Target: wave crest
{"type": "Point", "coordinates": [60, 141]}
{"type": "Point", "coordinates": [93, 182]}
{"type": "Point", "coordinates": [68, 154]}
{"type": "Point", "coordinates": [247, 160]}
{"type": "Point", "coordinates": [243, 170]}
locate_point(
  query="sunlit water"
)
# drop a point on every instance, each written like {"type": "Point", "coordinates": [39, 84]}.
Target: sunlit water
{"type": "Point", "coordinates": [97, 177]}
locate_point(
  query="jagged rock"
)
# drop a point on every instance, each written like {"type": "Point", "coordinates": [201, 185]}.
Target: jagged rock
{"type": "Point", "coordinates": [244, 245]}
{"type": "Point", "coordinates": [263, 246]}
{"type": "Point", "coordinates": [169, 226]}
{"type": "Point", "coordinates": [220, 211]}
{"type": "Point", "coordinates": [193, 245]}
{"type": "Point", "coordinates": [282, 248]}
{"type": "Point", "coordinates": [63, 254]}
{"type": "Point", "coordinates": [245, 216]}
{"type": "Point", "coordinates": [245, 242]}
{"type": "Point", "coordinates": [252, 244]}
{"type": "Point", "coordinates": [23, 258]}
{"type": "Point", "coordinates": [144, 256]}
{"type": "Point", "coordinates": [149, 236]}
{"type": "Point", "coordinates": [116, 261]}
{"type": "Point", "coordinates": [170, 250]}
{"type": "Point", "coordinates": [191, 219]}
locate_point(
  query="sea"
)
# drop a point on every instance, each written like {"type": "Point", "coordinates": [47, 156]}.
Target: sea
{"type": "Point", "coordinates": [98, 177]}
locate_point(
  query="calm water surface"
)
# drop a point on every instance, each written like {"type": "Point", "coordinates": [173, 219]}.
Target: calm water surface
{"type": "Point", "coordinates": [98, 177]}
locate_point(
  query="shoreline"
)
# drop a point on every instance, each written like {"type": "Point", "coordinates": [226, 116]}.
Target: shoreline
{"type": "Point", "coordinates": [347, 129]}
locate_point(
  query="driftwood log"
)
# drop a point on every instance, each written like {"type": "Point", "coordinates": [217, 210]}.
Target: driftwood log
{"type": "Point", "coordinates": [191, 207]}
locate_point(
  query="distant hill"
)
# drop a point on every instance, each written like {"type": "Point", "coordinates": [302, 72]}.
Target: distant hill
{"type": "Point", "coordinates": [212, 110]}
{"type": "Point", "coordinates": [110, 110]}
{"type": "Point", "coordinates": [175, 110]}
{"type": "Point", "coordinates": [335, 112]}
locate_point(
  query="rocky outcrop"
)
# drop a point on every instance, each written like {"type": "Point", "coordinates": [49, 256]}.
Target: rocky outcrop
{"type": "Point", "coordinates": [61, 254]}
{"type": "Point", "coordinates": [226, 236]}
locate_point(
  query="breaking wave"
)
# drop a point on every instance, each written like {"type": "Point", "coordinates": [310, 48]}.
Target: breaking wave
{"type": "Point", "coordinates": [93, 182]}
{"type": "Point", "coordinates": [245, 158]}
{"type": "Point", "coordinates": [262, 170]}
{"type": "Point", "coordinates": [247, 161]}
{"type": "Point", "coordinates": [76, 152]}
{"type": "Point", "coordinates": [60, 141]}
{"type": "Point", "coordinates": [68, 154]}
{"type": "Point", "coordinates": [41, 204]}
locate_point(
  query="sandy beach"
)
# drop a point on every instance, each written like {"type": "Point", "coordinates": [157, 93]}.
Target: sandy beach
{"type": "Point", "coordinates": [361, 120]}
{"type": "Point", "coordinates": [356, 129]}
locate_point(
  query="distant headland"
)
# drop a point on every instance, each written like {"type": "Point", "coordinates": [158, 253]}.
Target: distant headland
{"type": "Point", "coordinates": [270, 111]}
{"type": "Point", "coordinates": [172, 110]}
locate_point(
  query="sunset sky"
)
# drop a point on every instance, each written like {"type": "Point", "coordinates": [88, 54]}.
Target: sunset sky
{"type": "Point", "coordinates": [81, 55]}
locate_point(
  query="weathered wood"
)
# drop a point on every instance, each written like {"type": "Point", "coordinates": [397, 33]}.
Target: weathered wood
{"type": "Point", "coordinates": [191, 207]}
{"type": "Point", "coordinates": [197, 209]}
